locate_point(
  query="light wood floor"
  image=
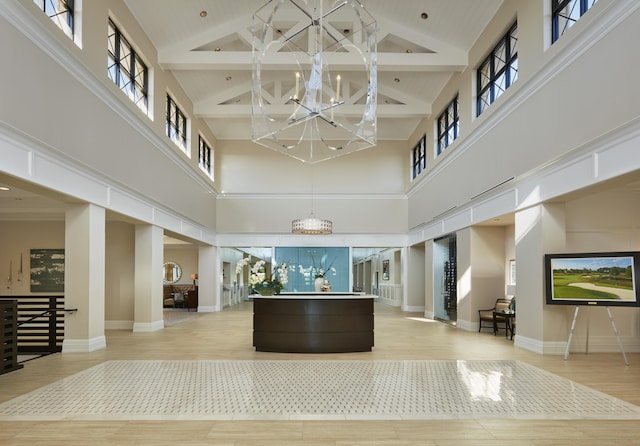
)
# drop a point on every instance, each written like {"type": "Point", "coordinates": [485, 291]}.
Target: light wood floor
{"type": "Point", "coordinates": [227, 335]}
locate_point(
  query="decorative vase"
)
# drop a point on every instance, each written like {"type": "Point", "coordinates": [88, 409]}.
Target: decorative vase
{"type": "Point", "coordinates": [326, 286]}
{"type": "Point", "coordinates": [317, 284]}
{"type": "Point", "coordinates": [267, 289]}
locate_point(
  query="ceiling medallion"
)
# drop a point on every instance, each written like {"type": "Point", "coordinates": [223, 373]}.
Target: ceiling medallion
{"type": "Point", "coordinates": [301, 107]}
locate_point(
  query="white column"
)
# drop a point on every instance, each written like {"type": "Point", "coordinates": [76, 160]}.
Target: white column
{"type": "Point", "coordinates": [414, 278]}
{"type": "Point", "coordinates": [539, 230]}
{"type": "Point", "coordinates": [84, 279]}
{"type": "Point", "coordinates": [428, 279]}
{"type": "Point", "coordinates": [209, 279]}
{"type": "Point", "coordinates": [148, 284]}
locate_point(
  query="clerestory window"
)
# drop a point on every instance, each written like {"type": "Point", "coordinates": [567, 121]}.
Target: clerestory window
{"type": "Point", "coordinates": [176, 124]}
{"type": "Point", "coordinates": [448, 125]}
{"type": "Point", "coordinates": [565, 13]}
{"type": "Point", "coordinates": [126, 69]}
{"type": "Point", "coordinates": [204, 156]}
{"type": "Point", "coordinates": [419, 157]}
{"type": "Point", "coordinates": [498, 71]}
{"type": "Point", "coordinates": [60, 11]}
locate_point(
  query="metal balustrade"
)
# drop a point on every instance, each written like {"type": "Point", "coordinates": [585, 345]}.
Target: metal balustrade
{"type": "Point", "coordinates": [40, 323]}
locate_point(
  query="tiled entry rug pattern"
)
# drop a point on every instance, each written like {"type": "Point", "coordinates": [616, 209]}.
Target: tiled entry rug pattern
{"type": "Point", "coordinates": [316, 390]}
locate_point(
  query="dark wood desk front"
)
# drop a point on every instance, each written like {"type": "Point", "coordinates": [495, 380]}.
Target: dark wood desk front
{"type": "Point", "coordinates": [313, 323]}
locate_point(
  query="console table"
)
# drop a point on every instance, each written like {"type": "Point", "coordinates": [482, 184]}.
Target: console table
{"type": "Point", "coordinates": [313, 323]}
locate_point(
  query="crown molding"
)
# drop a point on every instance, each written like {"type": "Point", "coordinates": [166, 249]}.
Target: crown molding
{"type": "Point", "coordinates": [378, 197]}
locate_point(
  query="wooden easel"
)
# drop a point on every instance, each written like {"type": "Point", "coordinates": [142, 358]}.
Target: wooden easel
{"type": "Point", "coordinates": [613, 325]}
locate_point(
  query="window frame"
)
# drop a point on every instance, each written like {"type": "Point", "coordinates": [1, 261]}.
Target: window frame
{"type": "Point", "coordinates": [557, 9]}
{"type": "Point", "coordinates": [419, 157]}
{"type": "Point", "coordinates": [204, 156]}
{"type": "Point", "coordinates": [174, 126]}
{"type": "Point", "coordinates": [49, 8]}
{"type": "Point", "coordinates": [444, 127]}
{"type": "Point", "coordinates": [508, 69]}
{"type": "Point", "coordinates": [134, 80]}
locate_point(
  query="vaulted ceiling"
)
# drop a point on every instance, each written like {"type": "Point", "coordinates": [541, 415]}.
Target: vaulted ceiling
{"type": "Point", "coordinates": [207, 45]}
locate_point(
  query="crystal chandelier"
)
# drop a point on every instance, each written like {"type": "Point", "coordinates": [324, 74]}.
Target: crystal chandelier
{"type": "Point", "coordinates": [299, 106]}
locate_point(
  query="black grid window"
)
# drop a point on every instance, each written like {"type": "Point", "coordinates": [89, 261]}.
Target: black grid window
{"type": "Point", "coordinates": [419, 157]}
{"type": "Point", "coordinates": [60, 11]}
{"type": "Point", "coordinates": [565, 13]}
{"type": "Point", "coordinates": [176, 124]}
{"type": "Point", "coordinates": [498, 71]}
{"type": "Point", "coordinates": [448, 125]}
{"type": "Point", "coordinates": [204, 155]}
{"type": "Point", "coordinates": [126, 68]}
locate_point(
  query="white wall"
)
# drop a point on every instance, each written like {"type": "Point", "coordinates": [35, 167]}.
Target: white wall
{"type": "Point", "coordinates": [414, 280]}
{"type": "Point", "coordinates": [187, 257]}
{"type": "Point", "coordinates": [119, 274]}
{"type": "Point", "coordinates": [97, 145]}
{"type": "Point", "coordinates": [360, 193]}
{"type": "Point", "coordinates": [533, 123]}
{"type": "Point", "coordinates": [19, 238]}
{"type": "Point", "coordinates": [604, 222]}
{"type": "Point", "coordinates": [487, 272]}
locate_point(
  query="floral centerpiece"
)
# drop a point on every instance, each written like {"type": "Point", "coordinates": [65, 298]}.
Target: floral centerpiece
{"type": "Point", "coordinates": [319, 273]}
{"type": "Point", "coordinates": [259, 280]}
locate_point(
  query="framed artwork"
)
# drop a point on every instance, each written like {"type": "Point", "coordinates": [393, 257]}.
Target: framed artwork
{"type": "Point", "coordinates": [602, 278]}
{"type": "Point", "coordinates": [47, 270]}
{"type": "Point", "coordinates": [385, 270]}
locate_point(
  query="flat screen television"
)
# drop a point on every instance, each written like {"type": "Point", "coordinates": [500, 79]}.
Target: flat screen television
{"type": "Point", "coordinates": [603, 278]}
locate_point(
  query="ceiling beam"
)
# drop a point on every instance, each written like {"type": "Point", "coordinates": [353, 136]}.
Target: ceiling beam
{"type": "Point", "coordinates": [206, 110]}
{"type": "Point", "coordinates": [390, 27]}
{"type": "Point", "coordinates": [243, 60]}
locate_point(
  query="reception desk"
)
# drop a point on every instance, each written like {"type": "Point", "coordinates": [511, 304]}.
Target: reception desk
{"type": "Point", "coordinates": [313, 323]}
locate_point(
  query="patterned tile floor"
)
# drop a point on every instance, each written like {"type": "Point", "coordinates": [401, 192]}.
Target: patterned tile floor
{"type": "Point", "coordinates": [314, 390]}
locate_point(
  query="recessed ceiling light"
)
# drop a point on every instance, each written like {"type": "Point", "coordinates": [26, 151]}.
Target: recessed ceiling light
{"type": "Point", "coordinates": [203, 13]}
{"type": "Point", "coordinates": [424, 16]}
{"type": "Point", "coordinates": [409, 51]}
{"type": "Point", "coordinates": [216, 48]}
{"type": "Point", "coordinates": [396, 79]}
{"type": "Point", "coordinates": [346, 31]}
{"type": "Point", "coordinates": [228, 78]}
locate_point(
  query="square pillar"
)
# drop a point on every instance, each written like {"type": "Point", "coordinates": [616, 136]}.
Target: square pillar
{"type": "Point", "coordinates": [149, 252]}
{"type": "Point", "coordinates": [84, 278]}
{"type": "Point", "coordinates": [209, 279]}
{"type": "Point", "coordinates": [539, 230]}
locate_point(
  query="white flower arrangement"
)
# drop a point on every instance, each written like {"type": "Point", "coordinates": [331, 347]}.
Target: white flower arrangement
{"type": "Point", "coordinates": [257, 275]}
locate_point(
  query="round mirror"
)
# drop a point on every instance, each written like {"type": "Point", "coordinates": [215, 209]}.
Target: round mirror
{"type": "Point", "coordinates": [172, 272]}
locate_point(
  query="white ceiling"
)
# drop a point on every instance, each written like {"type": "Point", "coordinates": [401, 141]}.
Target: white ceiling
{"type": "Point", "coordinates": [219, 82]}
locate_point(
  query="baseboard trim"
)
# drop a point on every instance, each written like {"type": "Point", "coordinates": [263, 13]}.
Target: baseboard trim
{"type": "Point", "coordinates": [118, 325]}
{"type": "Point", "coordinates": [146, 327]}
{"type": "Point", "coordinates": [84, 345]}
